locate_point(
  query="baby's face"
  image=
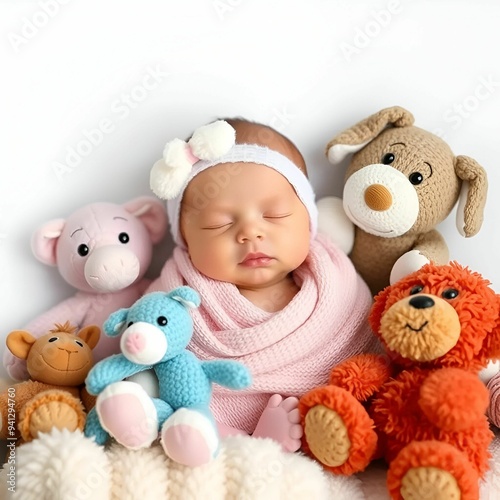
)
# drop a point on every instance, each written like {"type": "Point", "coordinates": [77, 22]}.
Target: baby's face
{"type": "Point", "coordinates": [243, 223]}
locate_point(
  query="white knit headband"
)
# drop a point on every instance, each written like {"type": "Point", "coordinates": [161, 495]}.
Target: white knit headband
{"type": "Point", "coordinates": [211, 145]}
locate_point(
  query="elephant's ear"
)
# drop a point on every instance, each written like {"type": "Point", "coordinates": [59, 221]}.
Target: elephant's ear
{"type": "Point", "coordinates": [357, 137]}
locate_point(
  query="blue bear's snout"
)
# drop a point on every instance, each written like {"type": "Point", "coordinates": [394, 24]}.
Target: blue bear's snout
{"type": "Point", "coordinates": [143, 343]}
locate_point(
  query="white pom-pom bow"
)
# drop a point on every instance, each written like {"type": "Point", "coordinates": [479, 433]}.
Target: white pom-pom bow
{"type": "Point", "coordinates": [168, 175]}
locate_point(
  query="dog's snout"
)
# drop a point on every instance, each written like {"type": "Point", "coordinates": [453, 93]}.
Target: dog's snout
{"type": "Point", "coordinates": [378, 197]}
{"type": "Point", "coordinates": [421, 302]}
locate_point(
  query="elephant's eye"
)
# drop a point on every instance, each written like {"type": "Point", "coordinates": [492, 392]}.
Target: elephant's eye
{"type": "Point", "coordinates": [123, 238]}
{"type": "Point", "coordinates": [450, 293]}
{"type": "Point", "coordinates": [388, 158]}
{"type": "Point", "coordinates": [83, 250]}
{"type": "Point", "coordinates": [416, 289]}
{"type": "Point", "coordinates": [161, 320]}
{"type": "Point", "coordinates": [53, 339]}
{"type": "Point", "coordinates": [130, 324]}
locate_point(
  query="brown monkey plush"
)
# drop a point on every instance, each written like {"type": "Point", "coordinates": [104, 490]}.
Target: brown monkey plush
{"type": "Point", "coordinates": [58, 363]}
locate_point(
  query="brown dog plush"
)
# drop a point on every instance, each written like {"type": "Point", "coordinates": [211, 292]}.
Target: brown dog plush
{"type": "Point", "coordinates": [401, 182]}
{"type": "Point", "coordinates": [423, 406]}
{"type": "Point", "coordinates": [58, 363]}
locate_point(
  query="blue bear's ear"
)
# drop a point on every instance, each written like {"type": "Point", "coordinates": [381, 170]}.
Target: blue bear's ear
{"type": "Point", "coordinates": [113, 325]}
{"type": "Point", "coordinates": [188, 297]}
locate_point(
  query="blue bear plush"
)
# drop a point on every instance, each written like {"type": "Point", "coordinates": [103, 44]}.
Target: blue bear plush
{"type": "Point", "coordinates": [155, 332]}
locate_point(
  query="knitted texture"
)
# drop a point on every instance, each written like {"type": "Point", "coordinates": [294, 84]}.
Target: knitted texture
{"type": "Point", "coordinates": [159, 327]}
{"type": "Point", "coordinates": [370, 127]}
{"type": "Point", "coordinates": [430, 414]}
{"type": "Point", "coordinates": [469, 170]}
{"type": "Point", "coordinates": [494, 408]}
{"type": "Point", "coordinates": [401, 182]}
{"type": "Point", "coordinates": [288, 352]}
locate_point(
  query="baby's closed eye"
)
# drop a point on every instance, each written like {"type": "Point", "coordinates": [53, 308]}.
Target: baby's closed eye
{"type": "Point", "coordinates": [217, 225]}
{"type": "Point", "coordinates": [277, 215]}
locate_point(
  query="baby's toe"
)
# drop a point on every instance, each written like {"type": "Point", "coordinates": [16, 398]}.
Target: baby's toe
{"type": "Point", "coordinates": [290, 403]}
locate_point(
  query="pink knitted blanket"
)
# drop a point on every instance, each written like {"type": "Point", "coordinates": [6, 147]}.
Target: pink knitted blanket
{"type": "Point", "coordinates": [288, 352]}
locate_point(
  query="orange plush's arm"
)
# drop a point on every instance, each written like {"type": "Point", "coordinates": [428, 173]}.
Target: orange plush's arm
{"type": "Point", "coordinates": [453, 399]}
{"type": "Point", "coordinates": [361, 375]}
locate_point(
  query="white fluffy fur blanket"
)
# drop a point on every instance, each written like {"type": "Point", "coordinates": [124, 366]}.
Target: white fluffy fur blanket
{"type": "Point", "coordinates": [67, 466]}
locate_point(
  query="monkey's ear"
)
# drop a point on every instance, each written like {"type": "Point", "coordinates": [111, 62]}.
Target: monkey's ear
{"type": "Point", "coordinates": [20, 342]}
{"type": "Point", "coordinates": [90, 335]}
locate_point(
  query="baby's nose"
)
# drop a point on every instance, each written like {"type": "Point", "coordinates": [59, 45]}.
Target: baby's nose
{"type": "Point", "coordinates": [250, 232]}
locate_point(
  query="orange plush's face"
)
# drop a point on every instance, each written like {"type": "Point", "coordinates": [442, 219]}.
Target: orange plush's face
{"type": "Point", "coordinates": [60, 358]}
{"type": "Point", "coordinates": [440, 316]}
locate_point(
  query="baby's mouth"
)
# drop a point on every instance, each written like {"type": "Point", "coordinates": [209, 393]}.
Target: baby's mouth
{"type": "Point", "coordinates": [256, 260]}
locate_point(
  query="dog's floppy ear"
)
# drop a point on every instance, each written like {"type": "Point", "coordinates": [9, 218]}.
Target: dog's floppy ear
{"type": "Point", "coordinates": [472, 196]}
{"type": "Point", "coordinates": [358, 136]}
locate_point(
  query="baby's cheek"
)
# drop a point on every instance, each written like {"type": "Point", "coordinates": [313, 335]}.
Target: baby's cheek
{"type": "Point", "coordinates": [209, 262]}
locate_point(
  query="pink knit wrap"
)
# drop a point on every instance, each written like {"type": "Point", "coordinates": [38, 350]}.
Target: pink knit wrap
{"type": "Point", "coordinates": [288, 352]}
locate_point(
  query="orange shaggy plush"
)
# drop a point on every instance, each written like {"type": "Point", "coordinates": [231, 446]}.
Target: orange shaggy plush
{"type": "Point", "coordinates": [422, 406]}
{"type": "Point", "coordinates": [58, 363]}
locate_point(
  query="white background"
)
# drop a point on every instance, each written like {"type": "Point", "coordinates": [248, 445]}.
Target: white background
{"type": "Point", "coordinates": [310, 68]}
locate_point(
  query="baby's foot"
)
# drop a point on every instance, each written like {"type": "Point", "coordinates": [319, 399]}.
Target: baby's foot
{"type": "Point", "coordinates": [128, 414]}
{"type": "Point", "coordinates": [188, 437]}
{"type": "Point", "coordinates": [280, 421]}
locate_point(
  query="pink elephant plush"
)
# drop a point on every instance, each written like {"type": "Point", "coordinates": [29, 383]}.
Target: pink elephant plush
{"type": "Point", "coordinates": [103, 250]}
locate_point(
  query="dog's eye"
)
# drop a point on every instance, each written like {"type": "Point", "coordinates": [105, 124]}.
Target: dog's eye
{"type": "Point", "coordinates": [450, 293]}
{"type": "Point", "coordinates": [416, 178]}
{"type": "Point", "coordinates": [53, 339]}
{"type": "Point", "coordinates": [416, 289]}
{"type": "Point", "coordinates": [388, 158]}
{"type": "Point", "coordinates": [161, 320]}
